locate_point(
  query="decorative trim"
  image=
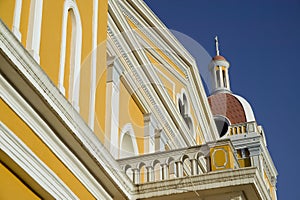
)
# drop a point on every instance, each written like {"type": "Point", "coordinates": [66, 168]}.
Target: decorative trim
{"type": "Point", "coordinates": [214, 159]}
{"type": "Point", "coordinates": [34, 29]}
{"type": "Point", "coordinates": [75, 57]}
{"type": "Point", "coordinates": [31, 118]}
{"type": "Point", "coordinates": [17, 19]}
{"type": "Point", "coordinates": [11, 145]}
{"type": "Point", "coordinates": [137, 79]}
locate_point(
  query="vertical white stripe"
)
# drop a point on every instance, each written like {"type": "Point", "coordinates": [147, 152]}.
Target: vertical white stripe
{"type": "Point", "coordinates": [34, 29]}
{"type": "Point", "coordinates": [91, 119]}
{"type": "Point", "coordinates": [17, 19]}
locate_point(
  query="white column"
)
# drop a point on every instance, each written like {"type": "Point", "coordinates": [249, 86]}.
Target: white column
{"type": "Point", "coordinates": [165, 171]}
{"type": "Point", "coordinates": [17, 19]}
{"type": "Point", "coordinates": [149, 134]}
{"type": "Point", "coordinates": [179, 169]}
{"type": "Point", "coordinates": [221, 77]}
{"type": "Point", "coordinates": [150, 175]}
{"type": "Point", "coordinates": [91, 119]}
{"type": "Point", "coordinates": [194, 165]}
{"type": "Point", "coordinates": [136, 175]}
{"type": "Point", "coordinates": [227, 79]}
{"type": "Point", "coordinates": [112, 109]}
{"type": "Point", "coordinates": [34, 29]}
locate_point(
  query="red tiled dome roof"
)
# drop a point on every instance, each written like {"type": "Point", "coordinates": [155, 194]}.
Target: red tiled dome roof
{"type": "Point", "coordinates": [229, 106]}
{"type": "Point", "coordinates": [219, 58]}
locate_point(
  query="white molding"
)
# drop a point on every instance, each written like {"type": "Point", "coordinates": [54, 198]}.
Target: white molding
{"type": "Point", "coordinates": [34, 29]}
{"type": "Point", "coordinates": [202, 112]}
{"type": "Point", "coordinates": [136, 71]}
{"type": "Point", "coordinates": [91, 119]}
{"type": "Point", "coordinates": [11, 145]}
{"type": "Point", "coordinates": [31, 118]}
{"type": "Point", "coordinates": [75, 57]}
{"type": "Point", "coordinates": [17, 19]}
{"type": "Point", "coordinates": [136, 78]}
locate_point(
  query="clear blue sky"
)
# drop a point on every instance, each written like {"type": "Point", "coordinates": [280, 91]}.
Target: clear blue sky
{"type": "Point", "coordinates": [261, 40]}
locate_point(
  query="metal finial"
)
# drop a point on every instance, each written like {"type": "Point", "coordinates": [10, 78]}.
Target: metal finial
{"type": "Point", "coordinates": [217, 46]}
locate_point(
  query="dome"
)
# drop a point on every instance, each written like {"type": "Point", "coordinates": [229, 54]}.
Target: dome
{"type": "Point", "coordinates": [219, 58]}
{"type": "Point", "coordinates": [235, 108]}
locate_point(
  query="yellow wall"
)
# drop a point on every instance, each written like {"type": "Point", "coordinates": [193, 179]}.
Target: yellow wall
{"type": "Point", "coordinates": [12, 187]}
{"type": "Point", "coordinates": [131, 113]}
{"type": "Point", "coordinates": [51, 38]}
{"type": "Point", "coordinates": [7, 12]}
{"type": "Point", "coordinates": [16, 125]}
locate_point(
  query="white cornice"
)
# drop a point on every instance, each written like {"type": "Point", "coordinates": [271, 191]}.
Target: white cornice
{"type": "Point", "coordinates": [12, 146]}
{"type": "Point", "coordinates": [32, 119]}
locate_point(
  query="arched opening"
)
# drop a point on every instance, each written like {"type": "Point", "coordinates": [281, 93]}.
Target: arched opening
{"type": "Point", "coordinates": [187, 166]}
{"type": "Point", "coordinates": [69, 71]}
{"type": "Point", "coordinates": [128, 145]}
{"type": "Point", "coordinates": [222, 125]}
{"type": "Point", "coordinates": [143, 173]}
{"type": "Point", "coordinates": [157, 171]}
{"type": "Point", "coordinates": [184, 109]}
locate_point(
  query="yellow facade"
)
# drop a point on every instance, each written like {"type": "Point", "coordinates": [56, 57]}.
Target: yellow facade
{"type": "Point", "coordinates": [12, 187]}
{"type": "Point", "coordinates": [25, 133]}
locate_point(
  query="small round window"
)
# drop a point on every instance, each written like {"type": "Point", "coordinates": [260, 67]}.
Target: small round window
{"type": "Point", "coordinates": [222, 125]}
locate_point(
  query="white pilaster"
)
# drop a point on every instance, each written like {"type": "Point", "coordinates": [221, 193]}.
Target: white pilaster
{"type": "Point", "coordinates": [112, 108]}
{"type": "Point", "coordinates": [91, 119]}
{"type": "Point", "coordinates": [34, 29]}
{"type": "Point", "coordinates": [149, 133]}
{"type": "Point", "coordinates": [17, 19]}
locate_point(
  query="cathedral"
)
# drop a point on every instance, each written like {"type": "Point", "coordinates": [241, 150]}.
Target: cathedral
{"type": "Point", "coordinates": [99, 100]}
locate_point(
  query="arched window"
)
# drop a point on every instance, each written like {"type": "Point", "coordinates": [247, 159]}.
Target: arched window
{"type": "Point", "coordinates": [71, 10]}
{"type": "Point", "coordinates": [128, 145]}
{"type": "Point", "coordinates": [184, 109]}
